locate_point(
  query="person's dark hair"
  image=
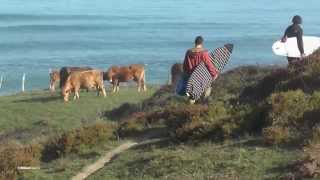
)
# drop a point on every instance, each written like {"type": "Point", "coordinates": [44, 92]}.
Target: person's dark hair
{"type": "Point", "coordinates": [297, 20]}
{"type": "Point", "coordinates": [199, 40]}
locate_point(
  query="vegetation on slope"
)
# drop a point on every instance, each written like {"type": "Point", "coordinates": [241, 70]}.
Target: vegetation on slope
{"type": "Point", "coordinates": [39, 129]}
{"type": "Point", "coordinates": [256, 124]}
{"type": "Point", "coordinates": [279, 104]}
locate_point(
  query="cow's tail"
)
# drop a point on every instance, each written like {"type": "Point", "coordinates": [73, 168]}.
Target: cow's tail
{"type": "Point", "coordinates": [63, 75]}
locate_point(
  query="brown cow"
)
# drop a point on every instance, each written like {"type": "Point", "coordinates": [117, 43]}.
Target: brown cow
{"type": "Point", "coordinates": [117, 74]}
{"type": "Point", "coordinates": [54, 78]}
{"type": "Point", "coordinates": [176, 73]}
{"type": "Point", "coordinates": [91, 79]}
{"type": "Point", "coordinates": [66, 71]}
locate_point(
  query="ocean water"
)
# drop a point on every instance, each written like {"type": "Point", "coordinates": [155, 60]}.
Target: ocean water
{"type": "Point", "coordinates": [38, 35]}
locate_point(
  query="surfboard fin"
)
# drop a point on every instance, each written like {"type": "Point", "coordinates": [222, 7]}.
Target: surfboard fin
{"type": "Point", "coordinates": [229, 47]}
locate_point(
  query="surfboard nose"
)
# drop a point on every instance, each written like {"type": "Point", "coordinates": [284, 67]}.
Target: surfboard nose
{"type": "Point", "coordinates": [229, 47]}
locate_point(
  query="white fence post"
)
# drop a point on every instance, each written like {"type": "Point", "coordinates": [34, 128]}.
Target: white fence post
{"type": "Point", "coordinates": [1, 81]}
{"type": "Point", "coordinates": [23, 81]}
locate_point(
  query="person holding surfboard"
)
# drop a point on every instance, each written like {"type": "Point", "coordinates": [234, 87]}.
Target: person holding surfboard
{"type": "Point", "coordinates": [193, 58]}
{"type": "Point", "coordinates": [295, 30]}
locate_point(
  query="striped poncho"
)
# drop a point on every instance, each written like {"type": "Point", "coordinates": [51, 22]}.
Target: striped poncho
{"type": "Point", "coordinates": [200, 78]}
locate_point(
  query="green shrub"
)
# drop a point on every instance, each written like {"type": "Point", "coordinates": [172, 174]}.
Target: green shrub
{"type": "Point", "coordinates": [123, 111]}
{"type": "Point", "coordinates": [308, 166]}
{"type": "Point", "coordinates": [263, 88]}
{"type": "Point", "coordinates": [72, 141]}
{"type": "Point", "coordinates": [312, 64]}
{"type": "Point", "coordinates": [213, 122]}
{"type": "Point", "coordinates": [287, 108]}
{"type": "Point", "coordinates": [132, 125]}
{"type": "Point", "coordinates": [13, 155]}
{"type": "Point", "coordinates": [276, 135]}
{"type": "Point", "coordinates": [315, 100]}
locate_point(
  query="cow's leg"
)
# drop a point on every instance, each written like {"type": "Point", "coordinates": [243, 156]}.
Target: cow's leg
{"type": "Point", "coordinates": [114, 86]}
{"type": "Point", "coordinates": [74, 95]}
{"type": "Point", "coordinates": [139, 85]}
{"type": "Point", "coordinates": [118, 86]}
{"type": "Point", "coordinates": [143, 81]}
{"type": "Point", "coordinates": [97, 89]}
{"type": "Point", "coordinates": [144, 85]}
{"type": "Point", "coordinates": [66, 97]}
{"type": "Point", "coordinates": [51, 87]}
{"type": "Point", "coordinates": [103, 91]}
{"type": "Point", "coordinates": [76, 92]}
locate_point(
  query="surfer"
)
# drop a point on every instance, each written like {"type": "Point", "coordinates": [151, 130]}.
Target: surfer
{"type": "Point", "coordinates": [194, 57]}
{"type": "Point", "coordinates": [295, 30]}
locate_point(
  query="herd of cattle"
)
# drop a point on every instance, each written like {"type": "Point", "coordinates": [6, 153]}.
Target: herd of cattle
{"type": "Point", "coordinates": [72, 79]}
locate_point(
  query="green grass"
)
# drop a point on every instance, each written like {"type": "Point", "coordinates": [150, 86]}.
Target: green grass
{"type": "Point", "coordinates": [240, 106]}
{"type": "Point", "coordinates": [230, 160]}
{"type": "Point", "coordinates": [66, 167]}
{"type": "Point", "coordinates": [26, 117]}
{"type": "Point", "coordinates": [44, 113]}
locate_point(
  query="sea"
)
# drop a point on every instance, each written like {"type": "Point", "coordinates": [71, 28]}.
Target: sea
{"type": "Point", "coordinates": [38, 35]}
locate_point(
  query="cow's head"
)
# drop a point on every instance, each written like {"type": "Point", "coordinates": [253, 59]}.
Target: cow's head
{"type": "Point", "coordinates": [65, 91]}
{"type": "Point", "coordinates": [105, 76]}
{"type": "Point", "coordinates": [112, 71]}
{"type": "Point", "coordinates": [54, 77]}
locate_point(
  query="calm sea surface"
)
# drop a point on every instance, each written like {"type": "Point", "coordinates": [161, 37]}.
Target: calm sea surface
{"type": "Point", "coordinates": [36, 35]}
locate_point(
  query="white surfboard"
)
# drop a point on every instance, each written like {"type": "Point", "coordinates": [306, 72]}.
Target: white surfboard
{"type": "Point", "coordinates": [290, 47]}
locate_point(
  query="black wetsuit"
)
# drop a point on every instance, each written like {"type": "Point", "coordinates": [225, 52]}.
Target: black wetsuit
{"type": "Point", "coordinates": [295, 31]}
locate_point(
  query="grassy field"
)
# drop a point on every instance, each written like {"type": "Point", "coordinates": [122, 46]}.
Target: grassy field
{"type": "Point", "coordinates": [246, 159]}
{"type": "Point", "coordinates": [36, 116]}
{"type": "Point", "coordinates": [258, 123]}
{"type": "Point", "coordinates": [65, 167]}
{"type": "Point", "coordinates": [28, 115]}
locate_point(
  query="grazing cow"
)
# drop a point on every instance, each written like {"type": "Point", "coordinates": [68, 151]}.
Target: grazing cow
{"type": "Point", "coordinates": [176, 73]}
{"type": "Point", "coordinates": [91, 79]}
{"type": "Point", "coordinates": [54, 78]}
{"type": "Point", "coordinates": [66, 71]}
{"type": "Point", "coordinates": [117, 74]}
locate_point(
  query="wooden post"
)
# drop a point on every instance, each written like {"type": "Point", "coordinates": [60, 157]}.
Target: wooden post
{"type": "Point", "coordinates": [1, 81]}
{"type": "Point", "coordinates": [23, 81]}
{"type": "Point", "coordinates": [27, 168]}
{"type": "Point", "coordinates": [169, 77]}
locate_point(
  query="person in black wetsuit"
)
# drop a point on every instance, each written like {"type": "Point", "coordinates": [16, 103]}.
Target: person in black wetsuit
{"type": "Point", "coordinates": [295, 30]}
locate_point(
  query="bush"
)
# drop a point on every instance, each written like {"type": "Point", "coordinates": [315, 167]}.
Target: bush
{"type": "Point", "coordinates": [309, 164]}
{"type": "Point", "coordinates": [132, 125]}
{"type": "Point", "coordinates": [13, 155]}
{"type": "Point", "coordinates": [72, 141]}
{"type": "Point", "coordinates": [276, 135]}
{"type": "Point", "coordinates": [288, 108]}
{"type": "Point", "coordinates": [123, 111]}
{"type": "Point", "coordinates": [263, 88]}
{"type": "Point", "coordinates": [201, 123]}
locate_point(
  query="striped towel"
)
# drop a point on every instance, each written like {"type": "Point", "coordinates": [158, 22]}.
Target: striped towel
{"type": "Point", "coordinates": [200, 78]}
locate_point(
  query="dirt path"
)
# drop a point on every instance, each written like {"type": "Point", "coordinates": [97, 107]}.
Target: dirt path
{"type": "Point", "coordinates": [87, 171]}
{"type": "Point", "coordinates": [92, 168]}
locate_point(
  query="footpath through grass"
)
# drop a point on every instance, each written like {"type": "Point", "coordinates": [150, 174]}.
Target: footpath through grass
{"type": "Point", "coordinates": [72, 134]}
{"type": "Point", "coordinates": [28, 115]}
{"type": "Point", "coordinates": [247, 159]}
